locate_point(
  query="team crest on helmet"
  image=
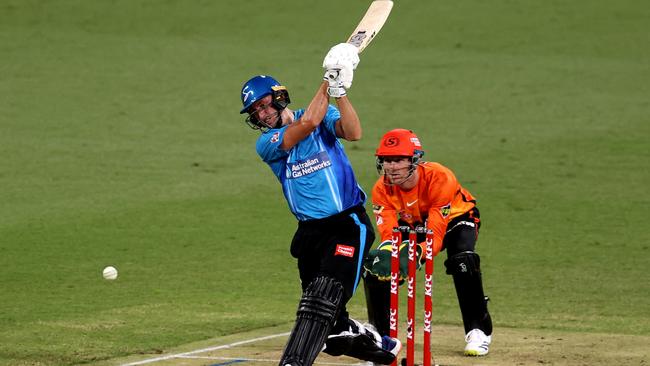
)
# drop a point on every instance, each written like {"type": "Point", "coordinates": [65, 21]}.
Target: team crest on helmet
{"type": "Point", "coordinates": [445, 210]}
{"type": "Point", "coordinates": [391, 141]}
{"type": "Point", "coordinates": [246, 93]}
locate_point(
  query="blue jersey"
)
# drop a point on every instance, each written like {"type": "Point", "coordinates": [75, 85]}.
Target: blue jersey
{"type": "Point", "coordinates": [316, 175]}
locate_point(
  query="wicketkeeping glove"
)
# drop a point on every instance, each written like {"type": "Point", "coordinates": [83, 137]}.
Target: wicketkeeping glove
{"type": "Point", "coordinates": [377, 263]}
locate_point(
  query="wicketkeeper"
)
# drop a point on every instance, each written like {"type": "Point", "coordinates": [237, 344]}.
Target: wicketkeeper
{"type": "Point", "coordinates": [412, 193]}
{"type": "Point", "coordinates": [334, 232]}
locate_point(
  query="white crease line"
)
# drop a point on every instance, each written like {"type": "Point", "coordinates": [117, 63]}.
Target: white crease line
{"type": "Point", "coordinates": [162, 358]}
{"type": "Point", "coordinates": [267, 360]}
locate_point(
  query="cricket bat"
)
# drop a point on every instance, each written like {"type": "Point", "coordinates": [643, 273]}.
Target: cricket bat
{"type": "Point", "coordinates": [370, 24]}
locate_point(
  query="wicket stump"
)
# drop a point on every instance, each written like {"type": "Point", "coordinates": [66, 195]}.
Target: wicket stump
{"type": "Point", "coordinates": [411, 282]}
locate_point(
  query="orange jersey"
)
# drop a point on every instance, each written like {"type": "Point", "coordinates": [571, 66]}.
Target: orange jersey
{"type": "Point", "coordinates": [436, 199]}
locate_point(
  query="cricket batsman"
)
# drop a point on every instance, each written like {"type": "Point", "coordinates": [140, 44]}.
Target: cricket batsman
{"type": "Point", "coordinates": [412, 193]}
{"type": "Point", "coordinates": [334, 233]}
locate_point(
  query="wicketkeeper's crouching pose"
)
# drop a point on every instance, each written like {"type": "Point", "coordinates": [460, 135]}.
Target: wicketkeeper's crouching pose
{"type": "Point", "coordinates": [334, 232]}
{"type": "Point", "coordinates": [415, 194]}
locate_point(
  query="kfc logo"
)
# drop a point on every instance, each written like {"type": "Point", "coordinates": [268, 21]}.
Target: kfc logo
{"type": "Point", "coordinates": [427, 321]}
{"type": "Point", "coordinates": [393, 319]}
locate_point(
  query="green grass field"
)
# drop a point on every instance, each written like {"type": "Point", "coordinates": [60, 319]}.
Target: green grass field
{"type": "Point", "coordinates": [121, 144]}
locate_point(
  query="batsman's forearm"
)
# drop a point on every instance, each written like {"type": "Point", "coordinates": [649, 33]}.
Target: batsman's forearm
{"type": "Point", "coordinates": [317, 107]}
{"type": "Point", "coordinates": [309, 121]}
{"type": "Point", "coordinates": [349, 121]}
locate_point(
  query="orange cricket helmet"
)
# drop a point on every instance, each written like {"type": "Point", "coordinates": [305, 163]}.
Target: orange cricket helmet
{"type": "Point", "coordinates": [399, 142]}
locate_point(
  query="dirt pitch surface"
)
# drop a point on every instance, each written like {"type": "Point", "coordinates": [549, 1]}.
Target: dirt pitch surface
{"type": "Point", "coordinates": [509, 347]}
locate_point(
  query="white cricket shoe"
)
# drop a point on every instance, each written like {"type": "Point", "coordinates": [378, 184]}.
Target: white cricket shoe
{"type": "Point", "coordinates": [477, 343]}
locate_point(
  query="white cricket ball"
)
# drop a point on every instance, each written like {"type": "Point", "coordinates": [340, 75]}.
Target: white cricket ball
{"type": "Point", "coordinates": [109, 273]}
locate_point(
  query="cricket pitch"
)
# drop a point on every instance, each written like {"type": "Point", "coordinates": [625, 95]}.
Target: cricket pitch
{"type": "Point", "coordinates": [510, 346]}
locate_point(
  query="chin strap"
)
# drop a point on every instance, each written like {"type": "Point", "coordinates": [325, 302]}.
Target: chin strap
{"type": "Point", "coordinates": [255, 124]}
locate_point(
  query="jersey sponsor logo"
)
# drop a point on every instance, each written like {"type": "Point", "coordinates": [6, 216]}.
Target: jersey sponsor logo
{"type": "Point", "coordinates": [409, 204]}
{"type": "Point", "coordinates": [275, 138]}
{"type": "Point", "coordinates": [377, 209]}
{"type": "Point", "coordinates": [445, 210]}
{"type": "Point", "coordinates": [308, 166]}
{"type": "Point", "coordinates": [344, 250]}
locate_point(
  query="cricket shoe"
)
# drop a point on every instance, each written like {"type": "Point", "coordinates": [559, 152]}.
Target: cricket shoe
{"type": "Point", "coordinates": [392, 345]}
{"type": "Point", "coordinates": [338, 344]}
{"type": "Point", "coordinates": [362, 341]}
{"type": "Point", "coordinates": [477, 343]}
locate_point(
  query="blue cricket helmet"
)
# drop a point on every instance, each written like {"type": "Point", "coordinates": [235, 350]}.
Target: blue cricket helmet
{"type": "Point", "coordinates": [259, 87]}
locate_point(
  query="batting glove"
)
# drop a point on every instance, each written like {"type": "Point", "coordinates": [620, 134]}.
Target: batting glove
{"type": "Point", "coordinates": [337, 80]}
{"type": "Point", "coordinates": [342, 54]}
